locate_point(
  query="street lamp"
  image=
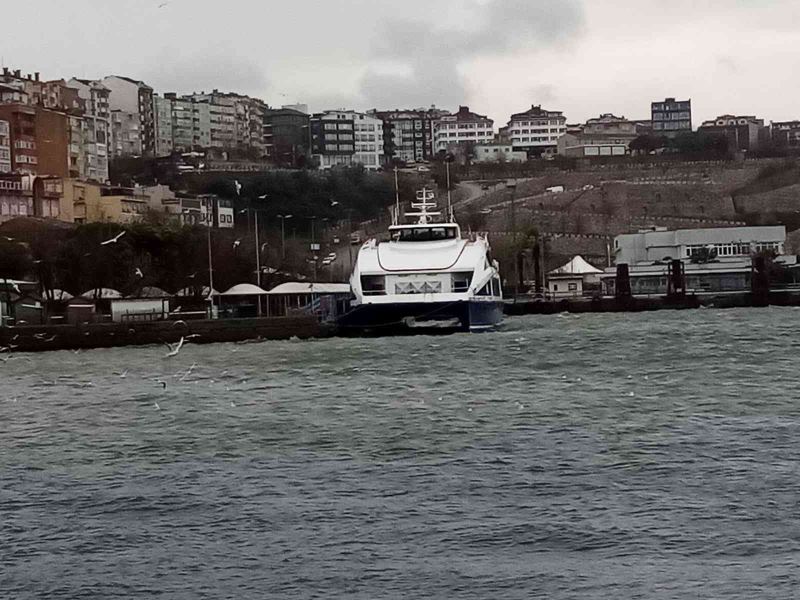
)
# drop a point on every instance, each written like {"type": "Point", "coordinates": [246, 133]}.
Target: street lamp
{"type": "Point", "coordinates": [283, 234]}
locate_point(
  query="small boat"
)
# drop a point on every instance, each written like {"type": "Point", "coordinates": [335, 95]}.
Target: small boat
{"type": "Point", "coordinates": [426, 275]}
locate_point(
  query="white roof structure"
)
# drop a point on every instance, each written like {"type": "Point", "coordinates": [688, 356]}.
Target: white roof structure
{"type": "Point", "coordinates": [61, 295]}
{"type": "Point", "coordinates": [102, 294]}
{"type": "Point", "coordinates": [577, 266]}
{"type": "Point", "coordinates": [245, 289]}
{"type": "Point", "coordinates": [295, 287]}
{"type": "Point", "coordinates": [151, 291]}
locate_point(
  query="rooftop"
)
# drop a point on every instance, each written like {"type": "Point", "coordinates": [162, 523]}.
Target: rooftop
{"type": "Point", "coordinates": [295, 287]}
{"type": "Point", "coordinates": [536, 110]}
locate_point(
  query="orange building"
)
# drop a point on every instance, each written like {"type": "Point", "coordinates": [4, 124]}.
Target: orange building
{"type": "Point", "coordinates": [39, 140]}
{"type": "Point", "coordinates": [52, 142]}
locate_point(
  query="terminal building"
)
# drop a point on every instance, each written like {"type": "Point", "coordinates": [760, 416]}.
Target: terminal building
{"type": "Point", "coordinates": [714, 260]}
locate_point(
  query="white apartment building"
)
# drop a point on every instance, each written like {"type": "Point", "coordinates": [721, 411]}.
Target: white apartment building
{"type": "Point", "coordinates": [346, 137]}
{"type": "Point", "coordinates": [94, 134]}
{"type": "Point", "coordinates": [462, 127]}
{"type": "Point", "coordinates": [126, 134]}
{"type": "Point", "coordinates": [215, 120]}
{"type": "Point", "coordinates": [536, 131]}
{"type": "Point", "coordinates": [5, 147]}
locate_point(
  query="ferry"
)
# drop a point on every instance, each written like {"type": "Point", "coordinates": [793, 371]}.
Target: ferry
{"type": "Point", "coordinates": [426, 275]}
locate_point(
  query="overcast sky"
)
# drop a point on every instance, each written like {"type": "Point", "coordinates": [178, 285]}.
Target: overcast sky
{"type": "Point", "coordinates": [584, 57]}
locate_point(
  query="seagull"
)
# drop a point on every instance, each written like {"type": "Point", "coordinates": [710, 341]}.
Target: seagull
{"type": "Point", "coordinates": [138, 272]}
{"type": "Point", "coordinates": [113, 240]}
{"type": "Point", "coordinates": [236, 243]}
{"type": "Point", "coordinates": [334, 203]}
{"type": "Point", "coordinates": [188, 372]}
{"type": "Point", "coordinates": [192, 276]}
{"type": "Point", "coordinates": [163, 383]}
{"type": "Point", "coordinates": [174, 349]}
{"type": "Point", "coordinates": [8, 239]}
{"type": "Point", "coordinates": [157, 407]}
{"type": "Point", "coordinates": [192, 337]}
{"type": "Point", "coordinates": [238, 187]}
{"type": "Point", "coordinates": [15, 287]}
{"type": "Point", "coordinates": [163, 4]}
{"type": "Point", "coordinates": [262, 197]}
{"type": "Point", "coordinates": [123, 375]}
{"type": "Point", "coordinates": [264, 245]}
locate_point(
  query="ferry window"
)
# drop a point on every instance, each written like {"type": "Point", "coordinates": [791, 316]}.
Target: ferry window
{"type": "Point", "coordinates": [373, 284]}
{"type": "Point", "coordinates": [461, 281]}
{"type": "Point", "coordinates": [485, 290]}
{"type": "Point", "coordinates": [425, 234]}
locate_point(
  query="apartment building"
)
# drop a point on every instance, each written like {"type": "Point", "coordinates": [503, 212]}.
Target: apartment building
{"type": "Point", "coordinates": [127, 137]}
{"type": "Point", "coordinates": [287, 140]}
{"type": "Point", "coordinates": [536, 130]}
{"type": "Point", "coordinates": [346, 137]}
{"type": "Point", "coordinates": [785, 133]}
{"type": "Point", "coordinates": [606, 135]}
{"type": "Point", "coordinates": [132, 102]}
{"type": "Point", "coordinates": [16, 196]}
{"type": "Point", "coordinates": [22, 139]}
{"type": "Point", "coordinates": [215, 120]}
{"type": "Point", "coordinates": [5, 147]}
{"type": "Point", "coordinates": [461, 128]}
{"type": "Point", "coordinates": [743, 132]}
{"type": "Point", "coordinates": [671, 117]}
{"type": "Point", "coordinates": [407, 134]}
{"type": "Point", "coordinates": [91, 137]}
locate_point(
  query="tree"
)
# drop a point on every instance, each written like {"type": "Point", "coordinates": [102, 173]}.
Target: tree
{"type": "Point", "coordinates": [645, 144]}
{"type": "Point", "coordinates": [15, 263]}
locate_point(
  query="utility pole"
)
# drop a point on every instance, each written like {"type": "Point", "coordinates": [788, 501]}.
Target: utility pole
{"type": "Point", "coordinates": [210, 268]}
{"type": "Point", "coordinates": [396, 199]}
{"type": "Point", "coordinates": [449, 198]}
{"type": "Point", "coordinates": [258, 260]}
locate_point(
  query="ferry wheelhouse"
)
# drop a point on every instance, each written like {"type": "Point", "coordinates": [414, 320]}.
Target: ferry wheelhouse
{"type": "Point", "coordinates": [426, 274]}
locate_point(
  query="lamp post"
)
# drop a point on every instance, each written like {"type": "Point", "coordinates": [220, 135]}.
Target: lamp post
{"type": "Point", "coordinates": [255, 212]}
{"type": "Point", "coordinates": [314, 247]}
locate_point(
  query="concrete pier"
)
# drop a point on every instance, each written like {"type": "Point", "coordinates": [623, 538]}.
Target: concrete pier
{"type": "Point", "coordinates": [105, 335]}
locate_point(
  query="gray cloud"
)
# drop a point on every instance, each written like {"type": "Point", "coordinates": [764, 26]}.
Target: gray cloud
{"type": "Point", "coordinates": [221, 71]}
{"type": "Point", "coordinates": [434, 55]}
{"type": "Point", "coordinates": [542, 93]}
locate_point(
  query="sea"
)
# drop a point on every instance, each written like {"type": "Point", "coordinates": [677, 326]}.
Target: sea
{"type": "Point", "coordinates": [648, 455]}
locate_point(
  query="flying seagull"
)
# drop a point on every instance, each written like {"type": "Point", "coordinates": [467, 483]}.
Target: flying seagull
{"type": "Point", "coordinates": [263, 197]}
{"type": "Point", "coordinates": [113, 240]}
{"type": "Point", "coordinates": [334, 203]}
{"type": "Point", "coordinates": [138, 272]}
{"type": "Point", "coordinates": [174, 348]}
{"type": "Point", "coordinates": [238, 187]}
{"type": "Point", "coordinates": [236, 243]}
{"type": "Point", "coordinates": [264, 245]}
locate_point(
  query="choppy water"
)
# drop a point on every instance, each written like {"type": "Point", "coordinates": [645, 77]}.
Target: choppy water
{"type": "Point", "coordinates": [594, 456]}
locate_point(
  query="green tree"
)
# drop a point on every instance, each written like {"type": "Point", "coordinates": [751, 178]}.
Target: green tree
{"type": "Point", "coordinates": [15, 263]}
